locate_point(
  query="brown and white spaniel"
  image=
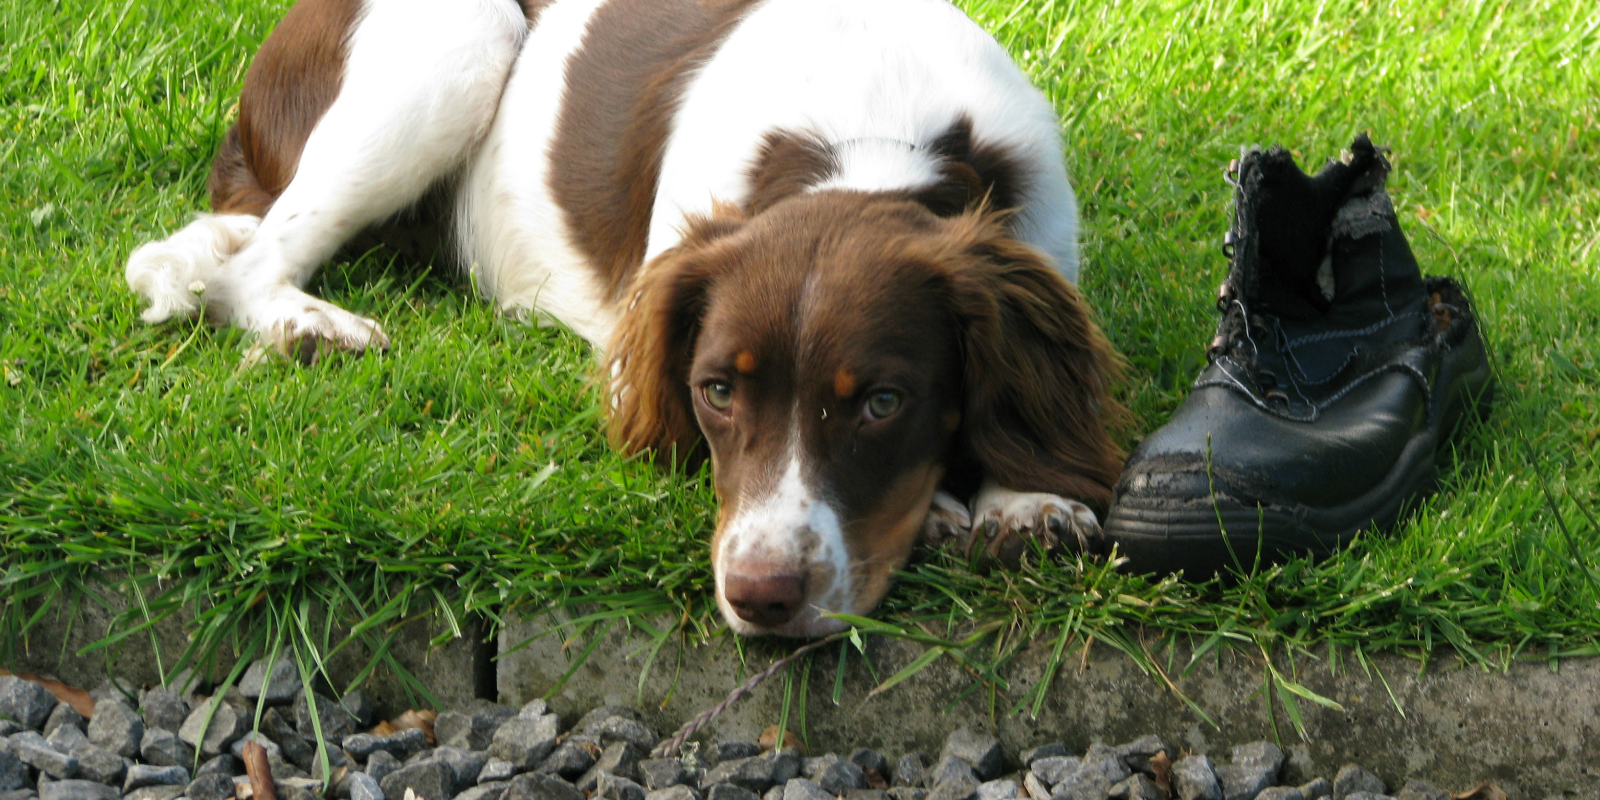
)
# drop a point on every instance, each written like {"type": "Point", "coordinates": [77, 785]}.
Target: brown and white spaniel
{"type": "Point", "coordinates": [829, 244]}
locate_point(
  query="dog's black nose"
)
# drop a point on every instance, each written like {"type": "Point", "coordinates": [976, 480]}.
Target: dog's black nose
{"type": "Point", "coordinates": [768, 600]}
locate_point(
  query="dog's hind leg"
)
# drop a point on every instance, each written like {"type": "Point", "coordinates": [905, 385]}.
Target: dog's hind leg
{"type": "Point", "coordinates": [413, 89]}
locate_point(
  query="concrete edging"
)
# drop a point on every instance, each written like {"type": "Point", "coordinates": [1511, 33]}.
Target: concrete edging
{"type": "Point", "coordinates": [1532, 730]}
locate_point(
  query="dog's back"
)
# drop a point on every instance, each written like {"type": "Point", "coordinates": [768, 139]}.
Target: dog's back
{"type": "Point", "coordinates": [624, 118]}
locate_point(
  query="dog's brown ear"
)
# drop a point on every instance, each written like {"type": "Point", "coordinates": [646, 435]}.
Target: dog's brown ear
{"type": "Point", "coordinates": [1038, 405]}
{"type": "Point", "coordinates": [648, 405]}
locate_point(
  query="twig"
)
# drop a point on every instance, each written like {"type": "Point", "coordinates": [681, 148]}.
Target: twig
{"type": "Point", "coordinates": [670, 747]}
{"type": "Point", "coordinates": [255, 765]}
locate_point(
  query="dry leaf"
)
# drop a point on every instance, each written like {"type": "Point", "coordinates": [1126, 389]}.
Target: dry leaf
{"type": "Point", "coordinates": [383, 728]}
{"type": "Point", "coordinates": [769, 740]}
{"type": "Point", "coordinates": [79, 699]}
{"type": "Point", "coordinates": [417, 719]}
{"type": "Point", "coordinates": [1161, 765]}
{"type": "Point", "coordinates": [875, 780]}
{"type": "Point", "coordinates": [255, 764]}
{"type": "Point", "coordinates": [1483, 791]}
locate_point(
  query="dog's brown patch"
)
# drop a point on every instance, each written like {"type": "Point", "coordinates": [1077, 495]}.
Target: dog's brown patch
{"type": "Point", "coordinates": [745, 362]}
{"type": "Point", "coordinates": [844, 383]}
{"type": "Point", "coordinates": [623, 88]}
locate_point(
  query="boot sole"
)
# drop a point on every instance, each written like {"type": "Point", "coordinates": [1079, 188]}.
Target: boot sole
{"type": "Point", "coordinates": [1206, 536]}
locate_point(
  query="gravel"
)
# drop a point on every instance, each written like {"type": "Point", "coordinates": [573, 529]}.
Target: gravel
{"type": "Point", "coordinates": [25, 701]}
{"type": "Point", "coordinates": [489, 751]}
{"type": "Point", "coordinates": [279, 684]}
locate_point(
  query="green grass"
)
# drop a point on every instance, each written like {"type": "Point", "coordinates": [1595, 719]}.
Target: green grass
{"type": "Point", "coordinates": [464, 471]}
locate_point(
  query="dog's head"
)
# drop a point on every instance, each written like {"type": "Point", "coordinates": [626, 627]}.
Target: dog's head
{"type": "Point", "coordinates": [838, 354]}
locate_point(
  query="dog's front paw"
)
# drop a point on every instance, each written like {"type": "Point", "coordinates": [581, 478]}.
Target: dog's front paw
{"type": "Point", "coordinates": [1006, 521]}
{"type": "Point", "coordinates": [949, 524]}
{"type": "Point", "coordinates": [319, 328]}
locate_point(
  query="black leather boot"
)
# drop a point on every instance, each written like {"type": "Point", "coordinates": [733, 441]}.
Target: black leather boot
{"type": "Point", "coordinates": [1336, 374]}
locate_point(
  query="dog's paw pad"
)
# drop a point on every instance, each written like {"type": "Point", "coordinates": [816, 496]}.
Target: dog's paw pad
{"type": "Point", "coordinates": [948, 523]}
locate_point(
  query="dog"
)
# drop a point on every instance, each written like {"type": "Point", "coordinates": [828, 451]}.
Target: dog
{"type": "Point", "coordinates": [828, 244]}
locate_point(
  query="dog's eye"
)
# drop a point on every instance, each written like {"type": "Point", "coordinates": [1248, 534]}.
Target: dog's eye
{"type": "Point", "coordinates": [718, 395]}
{"type": "Point", "coordinates": [880, 405]}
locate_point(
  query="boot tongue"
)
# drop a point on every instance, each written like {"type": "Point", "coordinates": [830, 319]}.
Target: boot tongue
{"type": "Point", "coordinates": [1322, 257]}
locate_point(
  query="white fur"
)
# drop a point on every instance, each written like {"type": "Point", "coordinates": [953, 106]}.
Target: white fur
{"type": "Point", "coordinates": [1009, 512]}
{"type": "Point", "coordinates": [865, 71]}
{"type": "Point", "coordinates": [791, 527]}
{"type": "Point", "coordinates": [421, 82]}
{"type": "Point", "coordinates": [513, 234]}
{"type": "Point", "coordinates": [168, 272]}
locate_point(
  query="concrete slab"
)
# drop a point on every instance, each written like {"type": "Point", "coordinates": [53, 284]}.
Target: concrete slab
{"type": "Point", "coordinates": [1532, 730]}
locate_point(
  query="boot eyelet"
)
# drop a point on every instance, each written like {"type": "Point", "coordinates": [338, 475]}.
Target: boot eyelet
{"type": "Point", "coordinates": [1278, 398]}
{"type": "Point", "coordinates": [1218, 348]}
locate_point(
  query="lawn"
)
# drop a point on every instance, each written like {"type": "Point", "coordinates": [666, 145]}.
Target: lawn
{"type": "Point", "coordinates": [463, 473]}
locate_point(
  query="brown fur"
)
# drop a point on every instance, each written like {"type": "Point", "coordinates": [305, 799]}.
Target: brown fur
{"type": "Point", "coordinates": [623, 87]}
{"type": "Point", "coordinates": [293, 79]}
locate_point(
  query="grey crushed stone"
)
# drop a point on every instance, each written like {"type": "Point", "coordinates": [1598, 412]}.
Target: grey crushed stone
{"type": "Point", "coordinates": [163, 793]}
{"type": "Point", "coordinates": [220, 765]}
{"type": "Point", "coordinates": [910, 768]}
{"type": "Point", "coordinates": [625, 729]}
{"type": "Point", "coordinates": [955, 787]}
{"type": "Point", "coordinates": [380, 764]}
{"type": "Point", "coordinates": [431, 780]}
{"type": "Point", "coordinates": [1368, 796]}
{"type": "Point", "coordinates": [142, 775]}
{"type": "Point", "coordinates": [299, 789]}
{"type": "Point", "coordinates": [296, 749]}
{"type": "Point", "coordinates": [64, 715]}
{"type": "Point", "coordinates": [1352, 779]}
{"type": "Point", "coordinates": [472, 728]}
{"type": "Point", "coordinates": [1035, 787]}
{"type": "Point", "coordinates": [1138, 786]}
{"type": "Point", "coordinates": [496, 769]}
{"type": "Point", "coordinates": [616, 787]}
{"type": "Point", "coordinates": [163, 748]}
{"type": "Point", "coordinates": [661, 773]}
{"type": "Point", "coordinates": [866, 794]}
{"type": "Point", "coordinates": [525, 742]}
{"type": "Point", "coordinates": [1281, 793]}
{"type": "Point", "coordinates": [210, 787]}
{"type": "Point", "coordinates": [464, 764]}
{"type": "Point", "coordinates": [870, 761]}
{"type": "Point", "coordinates": [34, 751]}
{"type": "Point", "coordinates": [117, 728]}
{"type": "Point", "coordinates": [948, 769]}
{"type": "Point", "coordinates": [1254, 767]}
{"type": "Point", "coordinates": [907, 793]}
{"type": "Point", "coordinates": [1052, 770]}
{"type": "Point", "coordinates": [7, 727]}
{"type": "Point", "coordinates": [571, 759]}
{"type": "Point", "coordinates": [227, 724]}
{"type": "Point", "coordinates": [755, 774]}
{"type": "Point", "coordinates": [728, 791]}
{"type": "Point", "coordinates": [163, 708]}
{"type": "Point", "coordinates": [981, 750]}
{"type": "Point", "coordinates": [77, 790]}
{"type": "Point", "coordinates": [361, 787]}
{"type": "Point", "coordinates": [728, 751]}
{"type": "Point", "coordinates": [775, 793]}
{"type": "Point", "coordinates": [534, 709]}
{"type": "Point", "coordinates": [19, 794]}
{"type": "Point", "coordinates": [361, 707]}
{"type": "Point", "coordinates": [400, 744]}
{"type": "Point", "coordinates": [998, 790]}
{"type": "Point", "coordinates": [279, 684]}
{"type": "Point", "coordinates": [491, 790]}
{"type": "Point", "coordinates": [834, 774]}
{"type": "Point", "coordinates": [336, 720]}
{"type": "Point", "coordinates": [1193, 778]}
{"type": "Point", "coordinates": [540, 786]}
{"type": "Point", "coordinates": [99, 764]}
{"type": "Point", "coordinates": [677, 791]}
{"type": "Point", "coordinates": [1317, 789]}
{"type": "Point", "coordinates": [13, 772]}
{"type": "Point", "coordinates": [66, 739]}
{"type": "Point", "coordinates": [1053, 749]}
{"type": "Point", "coordinates": [25, 701]}
{"type": "Point", "coordinates": [804, 789]}
{"type": "Point", "coordinates": [620, 759]}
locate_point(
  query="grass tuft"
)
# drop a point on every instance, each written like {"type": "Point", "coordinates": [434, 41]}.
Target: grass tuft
{"type": "Point", "coordinates": [463, 473]}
